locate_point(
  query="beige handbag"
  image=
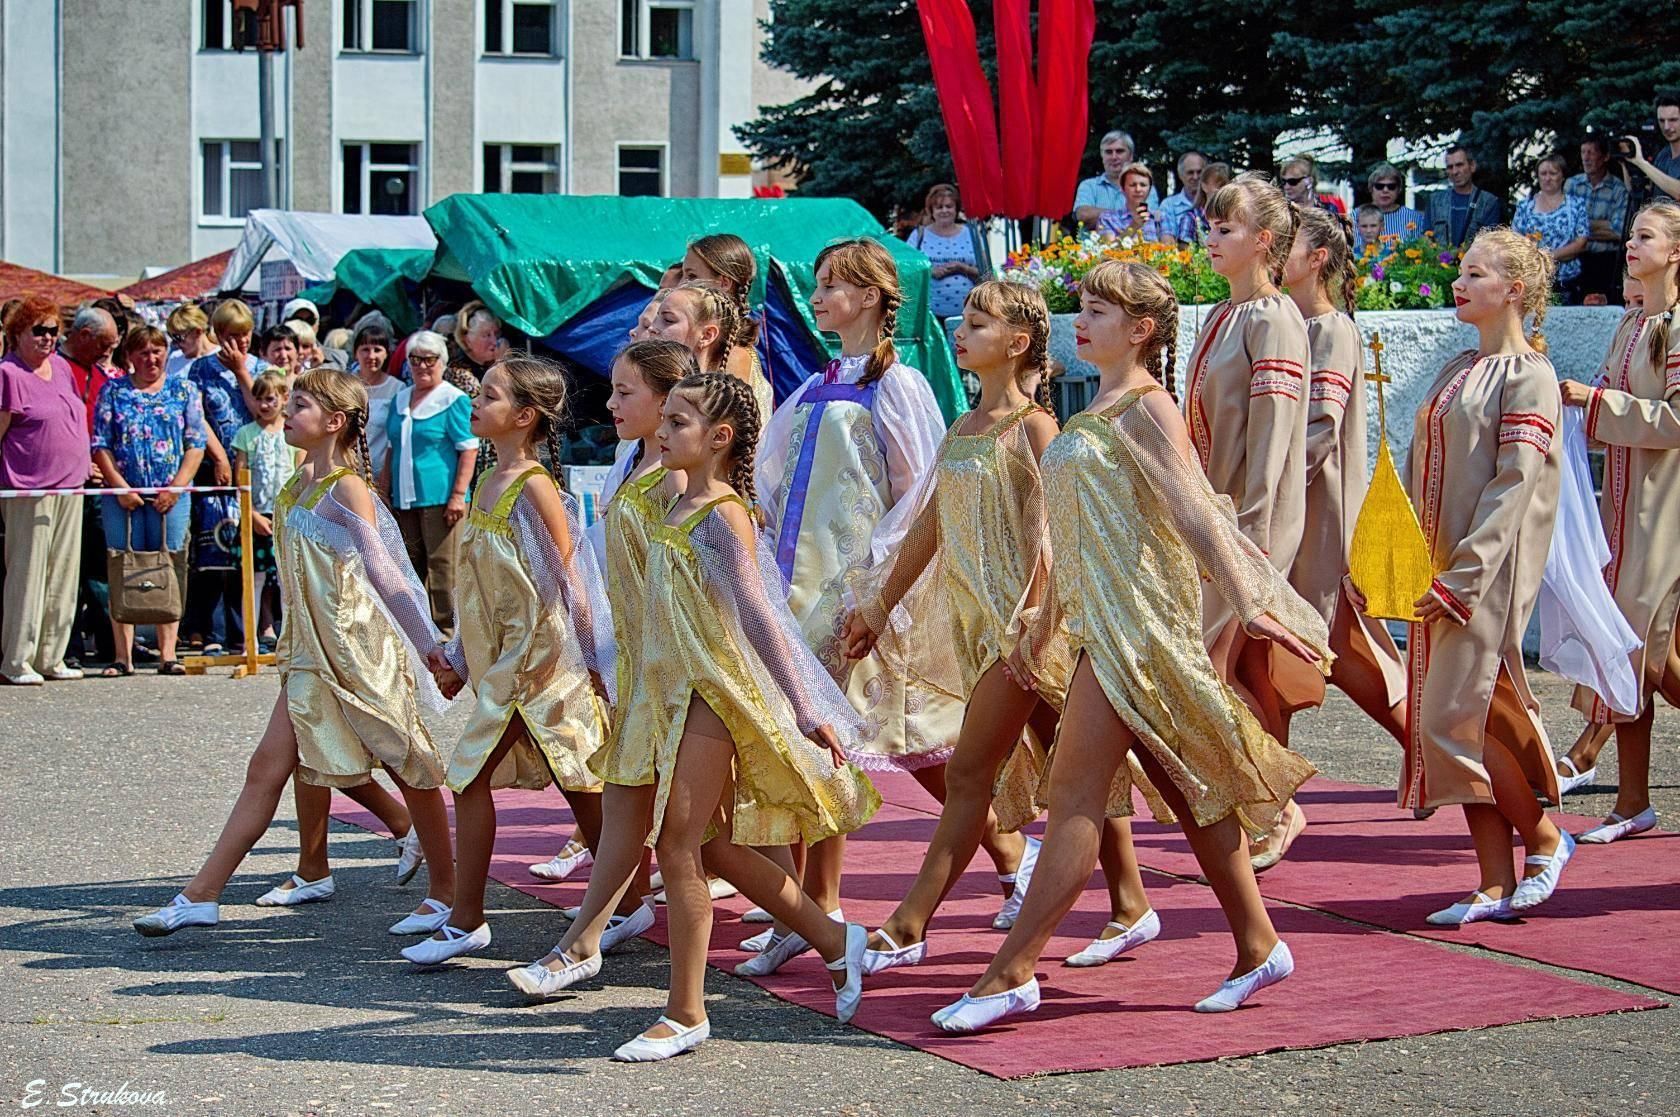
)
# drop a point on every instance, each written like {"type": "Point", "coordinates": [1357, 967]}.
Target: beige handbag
{"type": "Point", "coordinates": [145, 588]}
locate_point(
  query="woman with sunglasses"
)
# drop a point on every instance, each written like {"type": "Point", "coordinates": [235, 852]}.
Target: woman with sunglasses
{"type": "Point", "coordinates": [1388, 194]}
{"type": "Point", "coordinates": [1299, 178]}
{"type": "Point", "coordinates": [43, 445]}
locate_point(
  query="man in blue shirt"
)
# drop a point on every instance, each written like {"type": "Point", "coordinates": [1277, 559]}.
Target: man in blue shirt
{"type": "Point", "coordinates": [1464, 209]}
{"type": "Point", "coordinates": [1605, 198]}
{"type": "Point", "coordinates": [1101, 193]}
{"type": "Point", "coordinates": [1662, 167]}
{"type": "Point", "coordinates": [1181, 214]}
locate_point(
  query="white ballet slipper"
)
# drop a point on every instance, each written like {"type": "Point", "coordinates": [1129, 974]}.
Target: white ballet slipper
{"type": "Point", "coordinates": [1535, 890]}
{"type": "Point", "coordinates": [622, 928]}
{"type": "Point", "coordinates": [423, 922]}
{"type": "Point", "coordinates": [1614, 827]}
{"type": "Point", "coordinates": [563, 864]}
{"type": "Point", "coordinates": [757, 915]}
{"type": "Point", "coordinates": [756, 944]}
{"type": "Point", "coordinates": [848, 996]}
{"type": "Point", "coordinates": [1103, 950]}
{"type": "Point", "coordinates": [176, 914]}
{"type": "Point", "coordinates": [875, 961]}
{"type": "Point", "coordinates": [779, 953]}
{"type": "Point", "coordinates": [570, 914]}
{"type": "Point", "coordinates": [1575, 778]}
{"type": "Point", "coordinates": [409, 855]}
{"type": "Point", "coordinates": [1231, 994]}
{"type": "Point", "coordinates": [301, 892]}
{"type": "Point", "coordinates": [1022, 877]}
{"type": "Point", "coordinates": [720, 889]}
{"type": "Point", "coordinates": [537, 980]}
{"type": "Point", "coordinates": [970, 1014]}
{"type": "Point", "coordinates": [455, 942]}
{"type": "Point", "coordinates": [1476, 909]}
{"type": "Point", "coordinates": [644, 1049]}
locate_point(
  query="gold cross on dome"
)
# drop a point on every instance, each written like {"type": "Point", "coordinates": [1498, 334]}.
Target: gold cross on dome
{"type": "Point", "coordinates": [1375, 345]}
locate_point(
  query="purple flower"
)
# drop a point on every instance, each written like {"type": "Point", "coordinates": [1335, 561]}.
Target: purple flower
{"type": "Point", "coordinates": [1377, 271]}
{"type": "Point", "coordinates": [1447, 258]}
{"type": "Point", "coordinates": [1425, 290]}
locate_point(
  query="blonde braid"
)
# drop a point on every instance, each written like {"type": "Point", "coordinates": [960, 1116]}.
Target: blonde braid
{"type": "Point", "coordinates": [722, 398]}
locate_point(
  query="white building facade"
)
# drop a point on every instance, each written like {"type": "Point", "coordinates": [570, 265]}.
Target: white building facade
{"type": "Point", "coordinates": [129, 131]}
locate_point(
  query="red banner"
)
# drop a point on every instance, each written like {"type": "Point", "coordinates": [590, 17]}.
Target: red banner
{"type": "Point", "coordinates": [965, 102]}
{"type": "Point", "coordinates": [1018, 107]}
{"type": "Point", "coordinates": [1065, 30]}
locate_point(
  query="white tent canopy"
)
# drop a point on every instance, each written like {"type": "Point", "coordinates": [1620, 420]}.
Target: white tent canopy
{"type": "Point", "coordinates": [315, 242]}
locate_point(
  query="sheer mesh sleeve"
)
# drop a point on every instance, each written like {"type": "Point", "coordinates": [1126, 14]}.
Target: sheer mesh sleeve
{"type": "Point", "coordinates": [1037, 628]}
{"type": "Point", "coordinates": [1207, 523]}
{"type": "Point", "coordinates": [748, 588]}
{"type": "Point", "coordinates": [909, 427]}
{"type": "Point", "coordinates": [570, 585]}
{"type": "Point", "coordinates": [396, 587]}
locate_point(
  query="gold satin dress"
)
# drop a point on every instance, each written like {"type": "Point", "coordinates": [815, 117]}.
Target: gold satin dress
{"type": "Point", "coordinates": [786, 788]}
{"type": "Point", "coordinates": [636, 509]}
{"type": "Point", "coordinates": [344, 669]}
{"type": "Point", "coordinates": [524, 661]}
{"type": "Point", "coordinates": [1129, 589]}
{"type": "Point", "coordinates": [960, 579]}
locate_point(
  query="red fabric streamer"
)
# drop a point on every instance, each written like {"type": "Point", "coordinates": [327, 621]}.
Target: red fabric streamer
{"type": "Point", "coordinates": [1018, 107]}
{"type": "Point", "coordinates": [965, 102]}
{"type": "Point", "coordinates": [1065, 30]}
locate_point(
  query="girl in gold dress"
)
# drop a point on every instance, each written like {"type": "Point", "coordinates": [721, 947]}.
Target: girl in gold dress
{"type": "Point", "coordinates": [748, 733]}
{"type": "Point", "coordinates": [708, 319]}
{"type": "Point", "coordinates": [351, 656]}
{"type": "Point", "coordinates": [1318, 272]}
{"type": "Point", "coordinates": [1139, 538]}
{"type": "Point", "coordinates": [527, 601]}
{"type": "Point", "coordinates": [615, 906]}
{"type": "Point", "coordinates": [947, 608]}
{"type": "Point", "coordinates": [1484, 474]}
{"type": "Point", "coordinates": [1246, 407]}
{"type": "Point", "coordinates": [726, 260]}
{"type": "Point", "coordinates": [1635, 413]}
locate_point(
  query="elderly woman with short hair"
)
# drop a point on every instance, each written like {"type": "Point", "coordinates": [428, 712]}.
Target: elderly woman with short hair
{"type": "Point", "coordinates": [43, 445]}
{"type": "Point", "coordinates": [478, 340]}
{"type": "Point", "coordinates": [429, 469]}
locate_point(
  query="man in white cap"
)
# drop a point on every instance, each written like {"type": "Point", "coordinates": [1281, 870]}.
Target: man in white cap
{"type": "Point", "coordinates": [303, 310]}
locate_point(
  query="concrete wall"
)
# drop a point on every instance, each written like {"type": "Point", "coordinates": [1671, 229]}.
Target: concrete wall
{"type": "Point", "coordinates": [127, 149]}
{"type": "Point", "coordinates": [630, 102]}
{"type": "Point", "coordinates": [457, 39]}
{"type": "Point", "coordinates": [314, 152]}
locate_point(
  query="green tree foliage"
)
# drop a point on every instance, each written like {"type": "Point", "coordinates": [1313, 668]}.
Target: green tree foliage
{"type": "Point", "coordinates": [1516, 77]}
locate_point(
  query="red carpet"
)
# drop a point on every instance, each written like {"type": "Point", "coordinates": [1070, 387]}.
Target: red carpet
{"type": "Point", "coordinates": [1134, 1012]}
{"type": "Point", "coordinates": [1616, 913]}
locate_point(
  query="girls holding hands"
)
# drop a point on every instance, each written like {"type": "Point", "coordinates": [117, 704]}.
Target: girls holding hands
{"type": "Point", "coordinates": [526, 602]}
{"type": "Point", "coordinates": [1484, 477]}
{"type": "Point", "coordinates": [1133, 525]}
{"type": "Point", "coordinates": [1633, 412]}
{"type": "Point", "coordinates": [356, 633]}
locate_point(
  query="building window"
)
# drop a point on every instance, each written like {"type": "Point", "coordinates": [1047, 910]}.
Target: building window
{"type": "Point", "coordinates": [233, 184]}
{"type": "Point", "coordinates": [521, 169]}
{"type": "Point", "coordinates": [382, 25]}
{"type": "Point", "coordinates": [219, 27]}
{"type": "Point", "coordinates": [641, 171]}
{"type": "Point", "coordinates": [658, 29]}
{"type": "Point", "coordinates": [521, 27]}
{"type": "Point", "coordinates": [382, 178]}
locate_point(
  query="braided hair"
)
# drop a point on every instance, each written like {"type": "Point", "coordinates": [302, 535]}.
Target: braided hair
{"type": "Point", "coordinates": [1023, 308]}
{"type": "Point", "coordinates": [1142, 292]}
{"type": "Point", "coordinates": [1322, 228]}
{"type": "Point", "coordinates": [709, 305]}
{"type": "Point", "coordinates": [722, 398]}
{"type": "Point", "coordinates": [341, 392]}
{"type": "Point", "coordinates": [540, 385]}
{"type": "Point", "coordinates": [1253, 198]}
{"type": "Point", "coordinates": [730, 258]}
{"type": "Point", "coordinates": [864, 262]}
{"type": "Point", "coordinates": [1521, 260]}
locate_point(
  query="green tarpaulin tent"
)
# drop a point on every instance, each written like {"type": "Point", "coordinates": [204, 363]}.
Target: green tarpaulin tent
{"type": "Point", "coordinates": [379, 277]}
{"type": "Point", "coordinates": [540, 260]}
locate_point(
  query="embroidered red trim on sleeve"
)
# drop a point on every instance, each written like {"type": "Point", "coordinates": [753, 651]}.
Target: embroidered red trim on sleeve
{"type": "Point", "coordinates": [1456, 607]}
{"type": "Point", "coordinates": [1275, 376]}
{"type": "Point", "coordinates": [1528, 427]}
{"type": "Point", "coordinates": [1331, 387]}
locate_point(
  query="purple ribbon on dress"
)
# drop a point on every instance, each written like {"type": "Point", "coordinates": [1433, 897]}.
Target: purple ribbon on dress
{"type": "Point", "coordinates": [818, 399]}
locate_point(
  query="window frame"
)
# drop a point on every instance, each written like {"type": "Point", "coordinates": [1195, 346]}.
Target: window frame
{"type": "Point", "coordinates": [362, 11]}
{"type": "Point", "coordinates": [643, 29]}
{"type": "Point", "coordinates": [204, 25]}
{"type": "Point", "coordinates": [505, 49]}
{"type": "Point", "coordinates": [368, 168]}
{"type": "Point", "coordinates": [224, 220]}
{"type": "Point", "coordinates": [509, 166]}
{"type": "Point", "coordinates": [664, 150]}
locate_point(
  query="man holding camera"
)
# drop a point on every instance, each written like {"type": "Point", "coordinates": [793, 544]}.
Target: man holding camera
{"type": "Point", "coordinates": [1605, 198]}
{"type": "Point", "coordinates": [1662, 169]}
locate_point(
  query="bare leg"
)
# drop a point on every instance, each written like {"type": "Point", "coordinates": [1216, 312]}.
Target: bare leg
{"type": "Point", "coordinates": [1490, 833]}
{"type": "Point", "coordinates": [825, 864]}
{"type": "Point", "coordinates": [1128, 902]}
{"type": "Point", "coordinates": [586, 808]}
{"type": "Point", "coordinates": [314, 807]}
{"type": "Point", "coordinates": [1633, 763]}
{"type": "Point", "coordinates": [1005, 850]}
{"type": "Point", "coordinates": [265, 778]}
{"type": "Point", "coordinates": [997, 712]}
{"type": "Point", "coordinates": [626, 817]}
{"type": "Point", "coordinates": [122, 636]}
{"type": "Point", "coordinates": [1357, 674]}
{"type": "Point", "coordinates": [372, 796]}
{"type": "Point", "coordinates": [168, 635]}
{"type": "Point", "coordinates": [1584, 752]}
{"type": "Point", "coordinates": [1514, 807]}
{"type": "Point", "coordinates": [475, 836]}
{"type": "Point", "coordinates": [431, 821]}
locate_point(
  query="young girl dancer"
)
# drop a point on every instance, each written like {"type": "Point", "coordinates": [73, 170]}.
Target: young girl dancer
{"type": "Point", "coordinates": [526, 596]}
{"type": "Point", "coordinates": [1318, 272]}
{"type": "Point", "coordinates": [726, 260]}
{"type": "Point", "coordinates": [1635, 415]}
{"type": "Point", "coordinates": [949, 605]}
{"type": "Point", "coordinates": [641, 491]}
{"type": "Point", "coordinates": [347, 704]}
{"type": "Point", "coordinates": [843, 455]}
{"type": "Point", "coordinates": [1484, 477]}
{"type": "Point", "coordinates": [723, 683]}
{"type": "Point", "coordinates": [1246, 407]}
{"type": "Point", "coordinates": [704, 317]}
{"type": "Point", "coordinates": [1136, 531]}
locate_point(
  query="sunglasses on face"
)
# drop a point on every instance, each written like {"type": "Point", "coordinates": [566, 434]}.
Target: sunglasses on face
{"type": "Point", "coordinates": [1296, 181]}
{"type": "Point", "coordinates": [44, 330]}
{"type": "Point", "coordinates": [1385, 186]}
{"type": "Point", "coordinates": [422, 358]}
